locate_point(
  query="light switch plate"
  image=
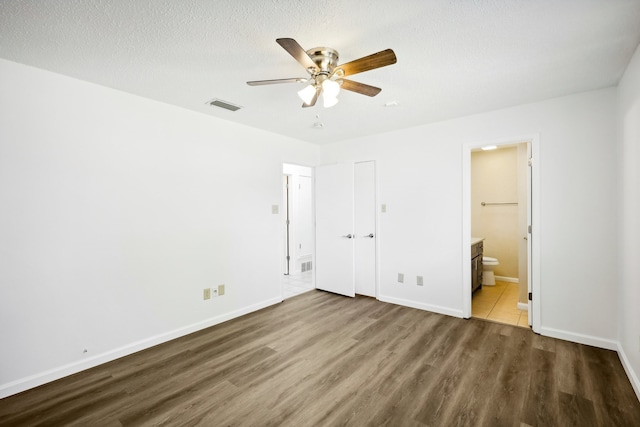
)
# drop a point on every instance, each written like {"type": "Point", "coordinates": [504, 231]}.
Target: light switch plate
{"type": "Point", "coordinates": [275, 209]}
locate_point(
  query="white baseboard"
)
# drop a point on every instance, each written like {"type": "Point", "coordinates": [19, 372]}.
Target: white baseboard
{"type": "Point", "coordinates": [523, 306]}
{"type": "Point", "coordinates": [631, 374]}
{"type": "Point", "coordinates": [32, 381]}
{"type": "Point", "coordinates": [580, 338]}
{"type": "Point", "coordinates": [507, 279]}
{"type": "Point", "coordinates": [421, 306]}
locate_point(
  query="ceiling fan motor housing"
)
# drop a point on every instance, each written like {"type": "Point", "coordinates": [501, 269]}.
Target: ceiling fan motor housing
{"type": "Point", "coordinates": [325, 58]}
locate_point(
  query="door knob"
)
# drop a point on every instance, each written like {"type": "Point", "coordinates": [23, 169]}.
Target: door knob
{"type": "Point", "coordinates": [370, 235]}
{"type": "Point", "coordinates": [348, 236]}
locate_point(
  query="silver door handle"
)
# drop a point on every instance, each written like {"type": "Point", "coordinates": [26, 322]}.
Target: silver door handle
{"type": "Point", "coordinates": [370, 235]}
{"type": "Point", "coordinates": [348, 236]}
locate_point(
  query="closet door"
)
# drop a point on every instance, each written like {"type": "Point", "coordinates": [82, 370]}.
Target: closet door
{"type": "Point", "coordinates": [334, 229]}
{"type": "Point", "coordinates": [365, 228]}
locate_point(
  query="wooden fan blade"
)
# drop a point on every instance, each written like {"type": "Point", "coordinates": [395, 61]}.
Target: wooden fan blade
{"type": "Point", "coordinates": [360, 88]}
{"type": "Point", "coordinates": [376, 60]}
{"type": "Point", "coordinates": [277, 81]}
{"type": "Point", "coordinates": [298, 53]}
{"type": "Point", "coordinates": [313, 100]}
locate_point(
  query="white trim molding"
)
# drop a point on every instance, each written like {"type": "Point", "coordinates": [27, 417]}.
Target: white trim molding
{"type": "Point", "coordinates": [631, 374]}
{"type": "Point", "coordinates": [508, 279]}
{"type": "Point", "coordinates": [36, 380]}
{"type": "Point", "coordinates": [580, 338]}
{"type": "Point", "coordinates": [421, 306]}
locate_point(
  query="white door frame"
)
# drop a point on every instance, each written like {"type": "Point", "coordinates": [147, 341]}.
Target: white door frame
{"type": "Point", "coordinates": [286, 212]}
{"type": "Point", "coordinates": [282, 214]}
{"type": "Point", "coordinates": [534, 209]}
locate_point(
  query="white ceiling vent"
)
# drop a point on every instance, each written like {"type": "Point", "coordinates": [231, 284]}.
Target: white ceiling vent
{"type": "Point", "coordinates": [223, 104]}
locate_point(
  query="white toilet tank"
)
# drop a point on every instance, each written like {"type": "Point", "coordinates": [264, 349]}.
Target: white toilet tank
{"type": "Point", "coordinates": [487, 260]}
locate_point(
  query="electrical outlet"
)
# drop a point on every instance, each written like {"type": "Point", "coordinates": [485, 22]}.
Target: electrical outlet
{"type": "Point", "coordinates": [206, 293]}
{"type": "Point", "coordinates": [419, 281]}
{"type": "Point", "coordinates": [220, 290]}
{"type": "Point", "coordinates": [383, 208]}
{"type": "Point", "coordinates": [400, 278]}
{"type": "Point", "coordinates": [214, 292]}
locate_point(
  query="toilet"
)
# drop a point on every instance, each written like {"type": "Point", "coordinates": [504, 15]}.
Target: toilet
{"type": "Point", "coordinates": [488, 265]}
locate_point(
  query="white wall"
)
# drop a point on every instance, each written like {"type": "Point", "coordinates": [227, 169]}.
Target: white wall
{"type": "Point", "coordinates": [629, 242]}
{"type": "Point", "coordinates": [116, 212]}
{"type": "Point", "coordinates": [420, 181]}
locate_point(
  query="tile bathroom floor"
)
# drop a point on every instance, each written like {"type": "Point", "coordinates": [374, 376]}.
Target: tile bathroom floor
{"type": "Point", "coordinates": [296, 284]}
{"type": "Point", "coordinates": [499, 303]}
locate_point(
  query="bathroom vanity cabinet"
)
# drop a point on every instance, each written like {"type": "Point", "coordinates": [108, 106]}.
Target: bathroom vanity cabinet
{"type": "Point", "coordinates": [476, 263]}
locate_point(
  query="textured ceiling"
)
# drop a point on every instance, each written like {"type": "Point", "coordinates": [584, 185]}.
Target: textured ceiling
{"type": "Point", "coordinates": [454, 57]}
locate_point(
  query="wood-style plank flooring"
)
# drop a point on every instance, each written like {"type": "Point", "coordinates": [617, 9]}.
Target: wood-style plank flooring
{"type": "Point", "coordinates": [320, 359]}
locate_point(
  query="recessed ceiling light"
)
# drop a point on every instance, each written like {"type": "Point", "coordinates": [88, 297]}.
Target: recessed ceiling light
{"type": "Point", "coordinates": [391, 104]}
{"type": "Point", "coordinates": [489, 147]}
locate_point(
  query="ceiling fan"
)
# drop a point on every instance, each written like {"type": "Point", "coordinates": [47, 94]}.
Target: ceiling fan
{"type": "Point", "coordinates": [326, 76]}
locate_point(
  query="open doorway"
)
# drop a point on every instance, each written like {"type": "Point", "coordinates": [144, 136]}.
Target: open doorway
{"type": "Point", "coordinates": [499, 234]}
{"type": "Point", "coordinates": [499, 207]}
{"type": "Point", "coordinates": [298, 238]}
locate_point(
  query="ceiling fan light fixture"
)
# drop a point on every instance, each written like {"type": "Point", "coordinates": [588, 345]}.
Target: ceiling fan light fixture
{"type": "Point", "coordinates": [307, 94]}
{"type": "Point", "coordinates": [329, 101]}
{"type": "Point", "coordinates": [330, 88]}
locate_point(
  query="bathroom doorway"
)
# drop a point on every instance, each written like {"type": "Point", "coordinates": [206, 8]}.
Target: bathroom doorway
{"type": "Point", "coordinates": [498, 212]}
{"type": "Point", "coordinates": [298, 237]}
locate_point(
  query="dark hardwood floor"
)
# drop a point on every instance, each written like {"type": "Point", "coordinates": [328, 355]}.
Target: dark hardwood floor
{"type": "Point", "coordinates": [321, 360]}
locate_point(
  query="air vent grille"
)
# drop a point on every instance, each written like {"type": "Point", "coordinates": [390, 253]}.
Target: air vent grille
{"type": "Point", "coordinates": [223, 104]}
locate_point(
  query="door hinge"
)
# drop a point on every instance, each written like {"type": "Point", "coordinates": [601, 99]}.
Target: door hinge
{"type": "Point", "coordinates": [288, 258]}
{"type": "Point", "coordinates": [530, 161]}
{"type": "Point", "coordinates": [530, 296]}
{"type": "Point", "coordinates": [529, 229]}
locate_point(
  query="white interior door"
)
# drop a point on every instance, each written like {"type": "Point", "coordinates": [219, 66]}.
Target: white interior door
{"type": "Point", "coordinates": [287, 222]}
{"type": "Point", "coordinates": [334, 229]}
{"type": "Point", "coordinates": [529, 236]}
{"type": "Point", "coordinates": [365, 228]}
{"type": "Point", "coordinates": [305, 222]}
